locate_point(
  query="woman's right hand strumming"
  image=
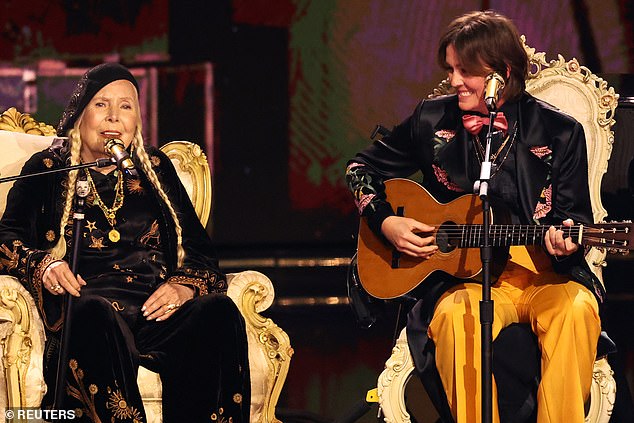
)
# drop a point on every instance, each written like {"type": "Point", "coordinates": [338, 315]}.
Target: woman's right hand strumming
{"type": "Point", "coordinates": [410, 236]}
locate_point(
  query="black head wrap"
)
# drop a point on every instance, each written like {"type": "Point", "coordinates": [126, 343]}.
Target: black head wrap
{"type": "Point", "coordinates": [89, 84]}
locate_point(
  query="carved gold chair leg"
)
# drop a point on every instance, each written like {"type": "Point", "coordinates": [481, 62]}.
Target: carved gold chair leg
{"type": "Point", "coordinates": [270, 350]}
{"type": "Point", "coordinates": [393, 381]}
{"type": "Point", "coordinates": [399, 368]}
{"type": "Point", "coordinates": [602, 393]}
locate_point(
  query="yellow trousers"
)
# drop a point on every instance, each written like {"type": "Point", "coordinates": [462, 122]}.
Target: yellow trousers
{"type": "Point", "coordinates": [562, 313]}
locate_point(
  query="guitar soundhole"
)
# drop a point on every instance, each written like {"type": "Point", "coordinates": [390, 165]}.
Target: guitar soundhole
{"type": "Point", "coordinates": [445, 239]}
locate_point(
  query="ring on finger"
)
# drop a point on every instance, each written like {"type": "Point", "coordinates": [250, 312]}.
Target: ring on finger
{"type": "Point", "coordinates": [56, 287]}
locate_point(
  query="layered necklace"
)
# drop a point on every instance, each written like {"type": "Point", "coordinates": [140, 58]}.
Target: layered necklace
{"type": "Point", "coordinates": [480, 150]}
{"type": "Point", "coordinates": [109, 212]}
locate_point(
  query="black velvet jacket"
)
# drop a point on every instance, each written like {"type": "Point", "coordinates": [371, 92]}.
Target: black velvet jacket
{"type": "Point", "coordinates": [30, 226]}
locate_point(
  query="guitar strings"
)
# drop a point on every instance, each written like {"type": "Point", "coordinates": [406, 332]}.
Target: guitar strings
{"type": "Point", "coordinates": [473, 233]}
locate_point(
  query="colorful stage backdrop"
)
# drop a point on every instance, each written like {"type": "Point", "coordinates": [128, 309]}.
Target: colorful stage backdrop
{"type": "Point", "coordinates": [299, 83]}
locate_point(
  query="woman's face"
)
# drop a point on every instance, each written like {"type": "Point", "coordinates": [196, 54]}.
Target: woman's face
{"type": "Point", "coordinates": [112, 113]}
{"type": "Point", "coordinates": [470, 88]}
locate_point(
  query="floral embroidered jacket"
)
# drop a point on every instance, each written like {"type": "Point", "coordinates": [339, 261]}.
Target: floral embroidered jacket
{"type": "Point", "coordinates": [548, 165]}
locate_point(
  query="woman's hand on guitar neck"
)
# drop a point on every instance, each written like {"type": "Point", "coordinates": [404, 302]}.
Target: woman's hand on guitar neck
{"type": "Point", "coordinates": [556, 244]}
{"type": "Point", "coordinates": [410, 236]}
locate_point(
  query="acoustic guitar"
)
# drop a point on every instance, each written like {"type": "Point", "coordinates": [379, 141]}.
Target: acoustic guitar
{"type": "Point", "coordinates": [386, 273]}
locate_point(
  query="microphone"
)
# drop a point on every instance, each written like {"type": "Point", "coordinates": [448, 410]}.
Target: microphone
{"type": "Point", "coordinates": [120, 156]}
{"type": "Point", "coordinates": [493, 84]}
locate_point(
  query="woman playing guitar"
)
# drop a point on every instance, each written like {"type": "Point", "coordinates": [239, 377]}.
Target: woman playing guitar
{"type": "Point", "coordinates": [539, 175]}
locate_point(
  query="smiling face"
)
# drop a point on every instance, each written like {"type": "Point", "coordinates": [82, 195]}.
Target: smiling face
{"type": "Point", "coordinates": [112, 113]}
{"type": "Point", "coordinates": [470, 88]}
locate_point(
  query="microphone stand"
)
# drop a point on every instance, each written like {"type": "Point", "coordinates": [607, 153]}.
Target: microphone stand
{"type": "Point", "coordinates": [98, 163]}
{"type": "Point", "coordinates": [481, 186]}
{"type": "Point", "coordinates": [82, 190]}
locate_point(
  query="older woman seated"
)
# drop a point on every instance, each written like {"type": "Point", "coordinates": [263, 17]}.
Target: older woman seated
{"type": "Point", "coordinates": [148, 290]}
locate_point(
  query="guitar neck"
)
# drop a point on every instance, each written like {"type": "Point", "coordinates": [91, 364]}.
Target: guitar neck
{"type": "Point", "coordinates": [471, 236]}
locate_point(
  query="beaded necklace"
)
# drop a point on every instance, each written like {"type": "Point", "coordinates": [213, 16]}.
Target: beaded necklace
{"type": "Point", "coordinates": [109, 212]}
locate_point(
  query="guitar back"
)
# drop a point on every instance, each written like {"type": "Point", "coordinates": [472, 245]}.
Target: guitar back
{"type": "Point", "coordinates": [385, 273]}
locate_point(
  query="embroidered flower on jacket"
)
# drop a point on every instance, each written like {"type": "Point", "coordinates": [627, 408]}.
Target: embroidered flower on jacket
{"type": "Point", "coordinates": [442, 177]}
{"type": "Point", "coordinates": [446, 134]}
{"type": "Point", "coordinates": [360, 183]}
{"type": "Point", "coordinates": [363, 201]}
{"type": "Point", "coordinates": [541, 151]}
{"type": "Point", "coordinates": [544, 204]}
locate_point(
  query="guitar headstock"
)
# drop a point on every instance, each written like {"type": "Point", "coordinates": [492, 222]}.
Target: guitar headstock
{"type": "Point", "coordinates": [614, 237]}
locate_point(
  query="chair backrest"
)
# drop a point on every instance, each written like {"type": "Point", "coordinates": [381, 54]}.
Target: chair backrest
{"type": "Point", "coordinates": [193, 170]}
{"type": "Point", "coordinates": [21, 136]}
{"type": "Point", "coordinates": [575, 90]}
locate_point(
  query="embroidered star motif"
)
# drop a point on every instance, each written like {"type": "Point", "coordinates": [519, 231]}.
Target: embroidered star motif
{"type": "Point", "coordinates": [91, 226]}
{"type": "Point", "coordinates": [134, 186]}
{"type": "Point", "coordinates": [50, 235]}
{"type": "Point", "coordinates": [129, 279]}
{"type": "Point", "coordinates": [96, 243]}
{"type": "Point", "coordinates": [116, 267]}
{"type": "Point", "coordinates": [155, 161]}
{"type": "Point", "coordinates": [48, 163]}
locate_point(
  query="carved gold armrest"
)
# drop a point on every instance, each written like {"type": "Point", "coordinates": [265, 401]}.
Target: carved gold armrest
{"type": "Point", "coordinates": [270, 350]}
{"type": "Point", "coordinates": [22, 345]}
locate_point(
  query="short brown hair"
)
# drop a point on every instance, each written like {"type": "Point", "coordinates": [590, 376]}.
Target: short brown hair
{"type": "Point", "coordinates": [486, 41]}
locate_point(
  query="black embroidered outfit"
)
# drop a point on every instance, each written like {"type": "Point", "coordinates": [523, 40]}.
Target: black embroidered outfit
{"type": "Point", "coordinates": [200, 352]}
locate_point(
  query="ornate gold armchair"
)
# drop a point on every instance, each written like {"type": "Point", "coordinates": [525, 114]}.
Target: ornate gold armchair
{"type": "Point", "coordinates": [21, 329]}
{"type": "Point", "coordinates": [577, 91]}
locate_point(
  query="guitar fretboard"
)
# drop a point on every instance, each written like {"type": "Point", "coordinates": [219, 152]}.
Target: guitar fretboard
{"type": "Point", "coordinates": [472, 236]}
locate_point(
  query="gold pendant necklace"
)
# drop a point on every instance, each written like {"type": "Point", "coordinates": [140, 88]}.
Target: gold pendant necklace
{"type": "Point", "coordinates": [109, 212]}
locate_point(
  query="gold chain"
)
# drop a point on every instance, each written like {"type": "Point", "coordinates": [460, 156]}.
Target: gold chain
{"type": "Point", "coordinates": [109, 212]}
{"type": "Point", "coordinates": [480, 152]}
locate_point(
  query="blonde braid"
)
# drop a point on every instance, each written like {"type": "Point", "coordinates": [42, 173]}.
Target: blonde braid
{"type": "Point", "coordinates": [137, 144]}
{"type": "Point", "coordinates": [59, 250]}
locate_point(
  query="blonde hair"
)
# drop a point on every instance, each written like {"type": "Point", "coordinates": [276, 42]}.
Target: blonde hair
{"type": "Point", "coordinates": [146, 164]}
{"type": "Point", "coordinates": [74, 145]}
{"type": "Point", "coordinates": [59, 250]}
